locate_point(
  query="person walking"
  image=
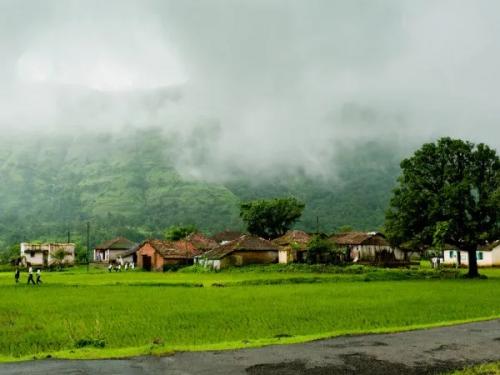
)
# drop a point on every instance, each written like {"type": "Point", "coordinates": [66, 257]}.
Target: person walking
{"type": "Point", "coordinates": [17, 274]}
{"type": "Point", "coordinates": [38, 277]}
{"type": "Point", "coordinates": [30, 276]}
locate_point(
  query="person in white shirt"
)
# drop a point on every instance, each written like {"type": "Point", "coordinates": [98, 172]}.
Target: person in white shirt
{"type": "Point", "coordinates": [38, 277]}
{"type": "Point", "coordinates": [30, 276]}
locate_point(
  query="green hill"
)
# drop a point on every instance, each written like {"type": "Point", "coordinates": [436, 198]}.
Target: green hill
{"type": "Point", "coordinates": [128, 185]}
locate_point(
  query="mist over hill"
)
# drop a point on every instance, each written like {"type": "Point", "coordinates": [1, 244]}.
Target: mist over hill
{"type": "Point", "coordinates": [128, 184]}
{"type": "Point", "coordinates": [135, 115]}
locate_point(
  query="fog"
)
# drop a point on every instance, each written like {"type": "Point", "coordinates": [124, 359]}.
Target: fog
{"type": "Point", "coordinates": [253, 84]}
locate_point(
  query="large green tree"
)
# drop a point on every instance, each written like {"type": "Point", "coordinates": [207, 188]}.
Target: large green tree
{"type": "Point", "coordinates": [271, 218]}
{"type": "Point", "coordinates": [448, 192]}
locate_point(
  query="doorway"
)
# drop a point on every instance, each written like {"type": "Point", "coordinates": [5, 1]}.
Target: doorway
{"type": "Point", "coordinates": [146, 262]}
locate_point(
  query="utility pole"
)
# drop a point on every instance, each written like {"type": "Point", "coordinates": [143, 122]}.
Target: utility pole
{"type": "Point", "coordinates": [88, 245]}
{"type": "Point", "coordinates": [317, 224]}
{"type": "Point", "coordinates": [69, 236]}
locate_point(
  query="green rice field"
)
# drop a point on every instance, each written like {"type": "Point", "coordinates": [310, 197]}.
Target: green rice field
{"type": "Point", "coordinates": [76, 314]}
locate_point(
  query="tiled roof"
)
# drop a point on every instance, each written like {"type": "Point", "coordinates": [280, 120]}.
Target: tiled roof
{"type": "Point", "coordinates": [173, 249]}
{"type": "Point", "coordinates": [227, 235]}
{"type": "Point", "coordinates": [201, 242]}
{"type": "Point", "coordinates": [360, 238]}
{"type": "Point", "coordinates": [119, 243]}
{"type": "Point", "coordinates": [246, 242]}
{"type": "Point", "coordinates": [293, 238]}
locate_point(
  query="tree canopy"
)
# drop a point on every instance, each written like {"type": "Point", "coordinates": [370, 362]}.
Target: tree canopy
{"type": "Point", "coordinates": [179, 232]}
{"type": "Point", "coordinates": [448, 192]}
{"type": "Point", "coordinates": [271, 218]}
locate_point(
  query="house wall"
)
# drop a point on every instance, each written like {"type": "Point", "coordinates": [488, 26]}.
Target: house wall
{"type": "Point", "coordinates": [284, 256]}
{"type": "Point", "coordinates": [495, 256]}
{"type": "Point", "coordinates": [241, 258]}
{"type": "Point", "coordinates": [368, 252]}
{"type": "Point", "coordinates": [100, 255]}
{"type": "Point", "coordinates": [69, 249]}
{"type": "Point", "coordinates": [156, 259]}
{"type": "Point", "coordinates": [490, 258]}
{"type": "Point", "coordinates": [50, 249]}
{"type": "Point", "coordinates": [35, 260]}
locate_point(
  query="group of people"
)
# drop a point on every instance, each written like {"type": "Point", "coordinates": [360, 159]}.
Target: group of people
{"type": "Point", "coordinates": [31, 280]}
{"type": "Point", "coordinates": [119, 265]}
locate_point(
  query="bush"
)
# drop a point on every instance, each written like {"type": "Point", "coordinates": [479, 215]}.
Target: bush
{"type": "Point", "coordinates": [96, 343]}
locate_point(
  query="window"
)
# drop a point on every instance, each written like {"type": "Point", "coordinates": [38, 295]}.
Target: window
{"type": "Point", "coordinates": [453, 254]}
{"type": "Point", "coordinates": [479, 255]}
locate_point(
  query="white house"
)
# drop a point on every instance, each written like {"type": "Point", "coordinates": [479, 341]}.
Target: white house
{"type": "Point", "coordinates": [487, 256]}
{"type": "Point", "coordinates": [43, 254]}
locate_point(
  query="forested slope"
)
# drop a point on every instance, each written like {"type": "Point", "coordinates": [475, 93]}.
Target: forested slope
{"type": "Point", "coordinates": [127, 185]}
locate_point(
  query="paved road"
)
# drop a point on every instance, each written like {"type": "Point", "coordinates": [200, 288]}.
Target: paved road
{"type": "Point", "coordinates": [418, 352]}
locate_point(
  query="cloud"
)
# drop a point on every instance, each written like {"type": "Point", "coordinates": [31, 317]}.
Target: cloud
{"type": "Point", "coordinates": [254, 84]}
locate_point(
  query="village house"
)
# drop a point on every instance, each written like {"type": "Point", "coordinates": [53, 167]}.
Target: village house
{"type": "Point", "coordinates": [201, 242]}
{"type": "Point", "coordinates": [226, 236]}
{"type": "Point", "coordinates": [158, 255]}
{"type": "Point", "coordinates": [487, 256]}
{"type": "Point", "coordinates": [45, 254]}
{"type": "Point", "coordinates": [112, 250]}
{"type": "Point", "coordinates": [247, 249]}
{"type": "Point", "coordinates": [293, 246]}
{"type": "Point", "coordinates": [367, 247]}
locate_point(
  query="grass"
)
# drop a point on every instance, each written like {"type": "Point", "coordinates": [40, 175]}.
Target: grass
{"type": "Point", "coordinates": [484, 369]}
{"type": "Point", "coordinates": [98, 315]}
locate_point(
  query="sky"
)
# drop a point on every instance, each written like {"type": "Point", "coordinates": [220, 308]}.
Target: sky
{"type": "Point", "coordinates": [254, 83]}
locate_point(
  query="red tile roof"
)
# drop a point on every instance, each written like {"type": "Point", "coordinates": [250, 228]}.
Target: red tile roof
{"type": "Point", "coordinates": [227, 235]}
{"type": "Point", "coordinates": [174, 249]}
{"type": "Point", "coordinates": [201, 242]}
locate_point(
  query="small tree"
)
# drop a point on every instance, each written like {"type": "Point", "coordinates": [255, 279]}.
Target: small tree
{"type": "Point", "coordinates": [58, 258]}
{"type": "Point", "coordinates": [12, 254]}
{"type": "Point", "coordinates": [179, 232]}
{"type": "Point", "coordinates": [449, 192]}
{"type": "Point", "coordinates": [345, 229]}
{"type": "Point", "coordinates": [318, 248]}
{"type": "Point", "coordinates": [271, 218]}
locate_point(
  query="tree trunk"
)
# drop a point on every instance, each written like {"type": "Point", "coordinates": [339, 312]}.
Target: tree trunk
{"type": "Point", "coordinates": [473, 272]}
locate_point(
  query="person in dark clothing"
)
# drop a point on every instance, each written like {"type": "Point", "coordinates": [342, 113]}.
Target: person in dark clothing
{"type": "Point", "coordinates": [30, 276]}
{"type": "Point", "coordinates": [16, 275]}
{"type": "Point", "coordinates": [38, 277]}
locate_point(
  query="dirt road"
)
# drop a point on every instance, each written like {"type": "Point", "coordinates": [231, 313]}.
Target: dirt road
{"type": "Point", "coordinates": [417, 352]}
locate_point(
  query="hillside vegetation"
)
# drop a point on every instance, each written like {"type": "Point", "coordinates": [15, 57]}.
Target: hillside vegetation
{"type": "Point", "coordinates": [128, 185]}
